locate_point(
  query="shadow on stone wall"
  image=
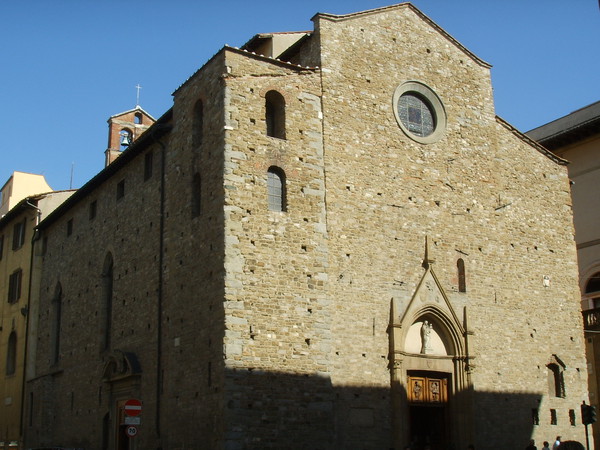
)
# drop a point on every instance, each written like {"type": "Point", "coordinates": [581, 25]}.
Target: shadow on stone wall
{"type": "Point", "coordinates": [276, 410]}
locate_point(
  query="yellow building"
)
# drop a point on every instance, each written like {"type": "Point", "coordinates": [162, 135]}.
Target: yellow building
{"type": "Point", "coordinates": [26, 198]}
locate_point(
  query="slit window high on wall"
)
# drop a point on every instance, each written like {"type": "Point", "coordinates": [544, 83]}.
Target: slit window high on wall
{"type": "Point", "coordinates": [462, 282]}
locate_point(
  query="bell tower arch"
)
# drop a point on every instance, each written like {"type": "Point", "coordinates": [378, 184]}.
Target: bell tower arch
{"type": "Point", "coordinates": [123, 129]}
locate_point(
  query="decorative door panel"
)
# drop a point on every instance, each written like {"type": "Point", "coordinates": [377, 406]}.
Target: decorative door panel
{"type": "Point", "coordinates": [427, 390]}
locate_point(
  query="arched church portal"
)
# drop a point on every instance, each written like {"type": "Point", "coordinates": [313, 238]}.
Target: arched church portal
{"type": "Point", "coordinates": [429, 366]}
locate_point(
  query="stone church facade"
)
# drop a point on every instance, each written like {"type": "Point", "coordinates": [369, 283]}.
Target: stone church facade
{"type": "Point", "coordinates": [331, 244]}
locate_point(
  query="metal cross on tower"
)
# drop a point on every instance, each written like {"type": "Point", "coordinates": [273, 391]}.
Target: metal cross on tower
{"type": "Point", "coordinates": [137, 101]}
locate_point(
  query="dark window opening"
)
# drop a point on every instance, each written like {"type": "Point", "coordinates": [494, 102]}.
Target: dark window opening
{"type": "Point", "coordinates": [148, 166]}
{"type": "Point", "coordinates": [198, 124]}
{"type": "Point", "coordinates": [19, 234]}
{"type": "Point", "coordinates": [593, 284]}
{"type": "Point", "coordinates": [535, 416]}
{"type": "Point", "coordinates": [70, 227]}
{"type": "Point", "coordinates": [11, 354]}
{"type": "Point", "coordinates": [275, 114]}
{"type": "Point", "coordinates": [137, 118]}
{"type": "Point", "coordinates": [196, 195]}
{"type": "Point", "coordinates": [93, 209]}
{"type": "Point", "coordinates": [462, 283]}
{"type": "Point", "coordinates": [1, 246]}
{"type": "Point", "coordinates": [556, 381]}
{"type": "Point", "coordinates": [593, 287]}
{"type": "Point", "coordinates": [553, 418]}
{"type": "Point", "coordinates": [572, 418]}
{"type": "Point", "coordinates": [14, 286]}
{"type": "Point", "coordinates": [120, 189]}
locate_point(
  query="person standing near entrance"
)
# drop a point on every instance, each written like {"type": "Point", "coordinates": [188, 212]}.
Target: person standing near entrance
{"type": "Point", "coordinates": [546, 446]}
{"type": "Point", "coordinates": [531, 445]}
{"type": "Point", "coordinates": [556, 443]}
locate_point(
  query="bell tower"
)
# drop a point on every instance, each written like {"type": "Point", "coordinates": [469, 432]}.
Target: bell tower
{"type": "Point", "coordinates": [123, 129]}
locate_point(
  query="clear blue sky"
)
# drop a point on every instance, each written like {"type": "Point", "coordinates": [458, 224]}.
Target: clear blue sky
{"type": "Point", "coordinates": [66, 66]}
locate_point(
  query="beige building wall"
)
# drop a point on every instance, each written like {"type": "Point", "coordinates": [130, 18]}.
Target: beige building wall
{"type": "Point", "coordinates": [19, 186]}
{"type": "Point", "coordinates": [15, 274]}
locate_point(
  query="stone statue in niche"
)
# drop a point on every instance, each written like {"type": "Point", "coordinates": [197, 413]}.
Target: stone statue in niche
{"type": "Point", "coordinates": [426, 337]}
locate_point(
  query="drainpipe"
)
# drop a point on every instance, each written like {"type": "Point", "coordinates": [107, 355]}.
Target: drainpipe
{"type": "Point", "coordinates": [25, 312]}
{"type": "Point", "coordinates": [161, 228]}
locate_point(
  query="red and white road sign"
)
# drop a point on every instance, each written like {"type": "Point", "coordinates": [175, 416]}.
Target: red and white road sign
{"type": "Point", "coordinates": [133, 407]}
{"type": "Point", "coordinates": [131, 431]}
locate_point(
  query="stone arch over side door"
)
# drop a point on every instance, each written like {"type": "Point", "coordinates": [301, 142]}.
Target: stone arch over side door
{"type": "Point", "coordinates": [429, 341]}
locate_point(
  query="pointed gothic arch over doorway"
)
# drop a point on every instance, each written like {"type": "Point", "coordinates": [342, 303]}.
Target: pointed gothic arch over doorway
{"type": "Point", "coordinates": [429, 364]}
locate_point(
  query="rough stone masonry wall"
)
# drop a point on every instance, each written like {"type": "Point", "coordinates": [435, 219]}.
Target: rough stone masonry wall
{"type": "Point", "coordinates": [194, 323]}
{"type": "Point", "coordinates": [70, 398]}
{"type": "Point", "coordinates": [480, 194]}
{"type": "Point", "coordinates": [277, 342]}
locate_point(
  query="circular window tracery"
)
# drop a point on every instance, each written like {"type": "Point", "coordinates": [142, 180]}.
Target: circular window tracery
{"type": "Point", "coordinates": [419, 112]}
{"type": "Point", "coordinates": [416, 114]}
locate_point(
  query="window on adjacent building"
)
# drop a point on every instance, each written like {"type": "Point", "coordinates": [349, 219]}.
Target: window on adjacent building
{"type": "Point", "coordinates": [11, 354]}
{"type": "Point", "coordinates": [198, 124]}
{"type": "Point", "coordinates": [592, 290]}
{"type": "Point", "coordinates": [148, 166]}
{"type": "Point", "coordinates": [56, 321]}
{"type": "Point", "coordinates": [19, 234]}
{"type": "Point", "coordinates": [276, 195]}
{"type": "Point", "coordinates": [1, 246]}
{"type": "Point", "coordinates": [14, 286]}
{"type": "Point", "coordinates": [275, 114]}
{"type": "Point", "coordinates": [196, 195]}
{"type": "Point", "coordinates": [462, 283]}
{"type": "Point", "coordinates": [107, 299]}
{"type": "Point", "coordinates": [70, 227]}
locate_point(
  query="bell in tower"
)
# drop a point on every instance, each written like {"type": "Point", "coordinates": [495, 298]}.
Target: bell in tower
{"type": "Point", "coordinates": [124, 129]}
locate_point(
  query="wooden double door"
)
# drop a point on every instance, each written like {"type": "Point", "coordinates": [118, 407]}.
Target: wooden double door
{"type": "Point", "coordinates": [427, 395]}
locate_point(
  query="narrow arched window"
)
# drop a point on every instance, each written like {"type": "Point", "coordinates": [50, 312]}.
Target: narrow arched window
{"type": "Point", "coordinates": [462, 283]}
{"type": "Point", "coordinates": [196, 195]}
{"type": "Point", "coordinates": [11, 354]}
{"type": "Point", "coordinates": [107, 300]}
{"type": "Point", "coordinates": [198, 124]}
{"type": "Point", "coordinates": [275, 114]}
{"type": "Point", "coordinates": [56, 321]}
{"type": "Point", "coordinates": [556, 381]}
{"type": "Point", "coordinates": [276, 189]}
{"type": "Point", "coordinates": [137, 118]}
